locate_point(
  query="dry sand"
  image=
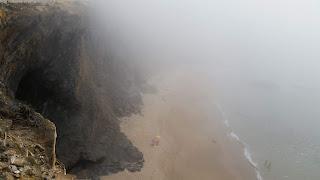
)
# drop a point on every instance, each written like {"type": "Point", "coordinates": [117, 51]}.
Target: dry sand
{"type": "Point", "coordinates": [194, 142]}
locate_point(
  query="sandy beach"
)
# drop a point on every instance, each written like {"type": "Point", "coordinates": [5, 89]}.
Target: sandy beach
{"type": "Point", "coordinates": [194, 143]}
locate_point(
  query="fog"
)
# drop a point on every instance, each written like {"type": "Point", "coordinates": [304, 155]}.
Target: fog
{"type": "Point", "coordinates": [270, 45]}
{"type": "Point", "coordinates": [278, 36]}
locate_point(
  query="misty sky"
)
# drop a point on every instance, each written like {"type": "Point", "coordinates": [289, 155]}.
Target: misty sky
{"type": "Point", "coordinates": [274, 37]}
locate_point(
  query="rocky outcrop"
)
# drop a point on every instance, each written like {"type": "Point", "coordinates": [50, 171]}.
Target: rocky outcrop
{"type": "Point", "coordinates": [27, 143]}
{"type": "Point", "coordinates": [51, 59]}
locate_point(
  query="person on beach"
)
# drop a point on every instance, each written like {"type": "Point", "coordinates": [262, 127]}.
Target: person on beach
{"type": "Point", "coordinates": [267, 164]}
{"type": "Point", "coordinates": [156, 141]}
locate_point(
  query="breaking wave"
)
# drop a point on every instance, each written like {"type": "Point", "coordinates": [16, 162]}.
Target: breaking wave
{"type": "Point", "coordinates": [234, 136]}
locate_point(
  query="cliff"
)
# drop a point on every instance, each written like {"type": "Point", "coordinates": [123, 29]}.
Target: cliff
{"type": "Point", "coordinates": [52, 60]}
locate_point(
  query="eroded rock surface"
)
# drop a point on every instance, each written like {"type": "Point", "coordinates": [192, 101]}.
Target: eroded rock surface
{"type": "Point", "coordinates": [27, 142]}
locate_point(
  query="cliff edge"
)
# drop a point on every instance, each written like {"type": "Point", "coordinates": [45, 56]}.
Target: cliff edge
{"type": "Point", "coordinates": [53, 61]}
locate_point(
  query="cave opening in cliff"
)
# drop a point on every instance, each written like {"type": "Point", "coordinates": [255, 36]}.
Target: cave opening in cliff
{"type": "Point", "coordinates": [45, 95]}
{"type": "Point", "coordinates": [32, 89]}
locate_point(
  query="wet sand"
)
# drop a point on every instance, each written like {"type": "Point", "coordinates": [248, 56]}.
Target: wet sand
{"type": "Point", "coordinates": [194, 142]}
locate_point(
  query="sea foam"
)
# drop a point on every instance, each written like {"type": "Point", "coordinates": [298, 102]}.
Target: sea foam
{"type": "Point", "coordinates": [236, 137]}
{"type": "Point", "coordinates": [247, 154]}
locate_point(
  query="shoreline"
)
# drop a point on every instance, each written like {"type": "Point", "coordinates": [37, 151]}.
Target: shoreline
{"type": "Point", "coordinates": [194, 141]}
{"type": "Point", "coordinates": [236, 138]}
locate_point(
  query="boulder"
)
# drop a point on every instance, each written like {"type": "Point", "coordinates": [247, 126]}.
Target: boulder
{"type": "Point", "coordinates": [17, 160]}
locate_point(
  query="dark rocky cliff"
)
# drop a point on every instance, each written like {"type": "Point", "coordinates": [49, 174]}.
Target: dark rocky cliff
{"type": "Point", "coordinates": [53, 60]}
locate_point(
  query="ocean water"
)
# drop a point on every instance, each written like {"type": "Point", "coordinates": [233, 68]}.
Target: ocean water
{"type": "Point", "coordinates": [276, 121]}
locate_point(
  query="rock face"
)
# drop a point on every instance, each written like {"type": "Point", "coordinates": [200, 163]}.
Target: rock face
{"type": "Point", "coordinates": [53, 60]}
{"type": "Point", "coordinates": [27, 143]}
